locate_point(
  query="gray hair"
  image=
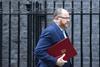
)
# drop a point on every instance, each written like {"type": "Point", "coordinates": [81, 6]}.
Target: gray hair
{"type": "Point", "coordinates": [58, 12]}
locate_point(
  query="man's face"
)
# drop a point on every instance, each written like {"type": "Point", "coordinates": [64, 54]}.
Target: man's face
{"type": "Point", "coordinates": [64, 20]}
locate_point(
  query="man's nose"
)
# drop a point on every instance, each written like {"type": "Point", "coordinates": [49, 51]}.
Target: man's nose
{"type": "Point", "coordinates": [68, 20]}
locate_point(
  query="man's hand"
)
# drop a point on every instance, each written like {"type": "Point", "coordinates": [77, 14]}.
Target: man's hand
{"type": "Point", "coordinates": [60, 62]}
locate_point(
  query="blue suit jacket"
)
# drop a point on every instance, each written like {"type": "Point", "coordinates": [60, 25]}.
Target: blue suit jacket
{"type": "Point", "coordinates": [48, 37]}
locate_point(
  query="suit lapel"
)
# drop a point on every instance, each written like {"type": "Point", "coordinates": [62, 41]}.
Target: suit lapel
{"type": "Point", "coordinates": [58, 31]}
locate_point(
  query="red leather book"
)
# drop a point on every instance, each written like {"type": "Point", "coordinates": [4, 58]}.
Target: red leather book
{"type": "Point", "coordinates": [61, 47]}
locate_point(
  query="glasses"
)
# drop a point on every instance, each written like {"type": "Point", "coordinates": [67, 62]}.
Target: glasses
{"type": "Point", "coordinates": [64, 17]}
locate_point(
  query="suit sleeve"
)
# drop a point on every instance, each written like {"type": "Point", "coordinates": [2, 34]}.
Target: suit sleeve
{"type": "Point", "coordinates": [41, 49]}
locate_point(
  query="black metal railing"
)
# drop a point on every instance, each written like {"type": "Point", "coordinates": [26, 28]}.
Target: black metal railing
{"type": "Point", "coordinates": [0, 34]}
{"type": "Point", "coordinates": [37, 20]}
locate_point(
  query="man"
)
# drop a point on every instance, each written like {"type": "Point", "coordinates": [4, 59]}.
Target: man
{"type": "Point", "coordinates": [53, 34]}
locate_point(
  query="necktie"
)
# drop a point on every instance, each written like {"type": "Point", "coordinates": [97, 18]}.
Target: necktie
{"type": "Point", "coordinates": [64, 33]}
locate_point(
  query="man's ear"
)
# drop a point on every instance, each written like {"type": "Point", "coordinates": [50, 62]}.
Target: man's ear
{"type": "Point", "coordinates": [59, 18]}
{"type": "Point", "coordinates": [56, 18]}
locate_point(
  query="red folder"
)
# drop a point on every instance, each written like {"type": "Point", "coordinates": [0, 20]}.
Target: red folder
{"type": "Point", "coordinates": [61, 47]}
